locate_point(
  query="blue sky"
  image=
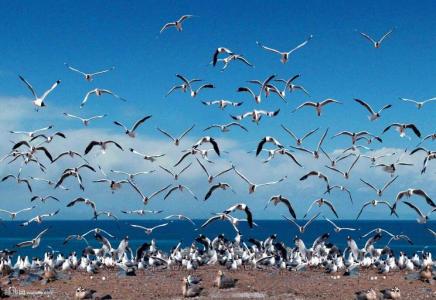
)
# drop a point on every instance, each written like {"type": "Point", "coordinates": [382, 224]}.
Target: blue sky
{"type": "Point", "coordinates": [38, 38]}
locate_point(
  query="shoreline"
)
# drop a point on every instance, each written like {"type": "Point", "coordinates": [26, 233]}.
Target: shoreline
{"type": "Point", "coordinates": [252, 284]}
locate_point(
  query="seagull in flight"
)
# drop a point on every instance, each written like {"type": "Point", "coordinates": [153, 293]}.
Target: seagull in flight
{"type": "Point", "coordinates": [334, 161]}
{"type": "Point", "coordinates": [14, 214]}
{"type": "Point", "coordinates": [175, 175]}
{"type": "Point", "coordinates": [151, 158]}
{"type": "Point", "coordinates": [176, 24]}
{"type": "Point", "coordinates": [179, 217]}
{"type": "Point", "coordinates": [374, 115]}
{"type": "Point", "coordinates": [320, 202]}
{"type": "Point", "coordinates": [85, 201]}
{"type": "Point", "coordinates": [181, 188]}
{"type": "Point", "coordinates": [131, 132]}
{"type": "Point", "coordinates": [210, 177]}
{"type": "Point", "coordinates": [88, 76]}
{"type": "Point", "coordinates": [422, 218]}
{"type": "Point", "coordinates": [242, 207]}
{"type": "Point", "coordinates": [341, 188]}
{"type": "Point", "coordinates": [317, 105]}
{"type": "Point", "coordinates": [317, 174]}
{"type": "Point", "coordinates": [38, 219]}
{"type": "Point", "coordinates": [419, 104]}
{"type": "Point", "coordinates": [284, 56]}
{"type": "Point", "coordinates": [376, 44]}
{"type": "Point", "coordinates": [39, 101]}
{"type": "Point", "coordinates": [146, 198]}
{"type": "Point", "coordinates": [298, 140]}
{"type": "Point", "coordinates": [253, 186]}
{"type": "Point", "coordinates": [177, 140]}
{"type": "Point", "coordinates": [85, 121]}
{"type": "Point", "coordinates": [263, 85]}
{"type": "Point", "coordinates": [219, 185]}
{"type": "Point", "coordinates": [233, 57]}
{"type": "Point", "coordinates": [102, 144]}
{"type": "Point", "coordinates": [336, 228]}
{"type": "Point", "coordinates": [374, 203]}
{"type": "Point", "coordinates": [280, 199]}
{"type": "Point", "coordinates": [303, 228]}
{"type": "Point", "coordinates": [401, 128]}
{"type": "Point", "coordinates": [218, 51]}
{"type": "Point", "coordinates": [410, 192]}
{"type": "Point", "coordinates": [315, 152]}
{"type": "Point", "coordinates": [225, 127]}
{"type": "Point", "coordinates": [194, 93]}
{"type": "Point", "coordinates": [34, 242]}
{"type": "Point", "coordinates": [222, 103]}
{"type": "Point", "coordinates": [141, 212]}
{"type": "Point", "coordinates": [256, 115]}
{"type": "Point", "coordinates": [131, 176]}
{"type": "Point", "coordinates": [31, 134]}
{"type": "Point", "coordinates": [346, 174]}
{"type": "Point", "coordinates": [99, 92]}
{"type": "Point", "coordinates": [377, 190]}
{"type": "Point", "coordinates": [149, 230]}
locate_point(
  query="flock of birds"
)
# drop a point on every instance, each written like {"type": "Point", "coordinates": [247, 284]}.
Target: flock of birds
{"type": "Point", "coordinates": [33, 148]}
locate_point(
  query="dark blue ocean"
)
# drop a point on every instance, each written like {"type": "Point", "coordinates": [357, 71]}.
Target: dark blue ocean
{"type": "Point", "coordinates": [169, 236]}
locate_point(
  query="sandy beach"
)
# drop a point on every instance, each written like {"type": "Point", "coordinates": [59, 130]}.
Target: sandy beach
{"type": "Point", "coordinates": [252, 284]}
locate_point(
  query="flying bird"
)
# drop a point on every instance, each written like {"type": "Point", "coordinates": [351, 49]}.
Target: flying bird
{"type": "Point", "coordinates": [222, 103]}
{"type": "Point", "coordinates": [317, 105]}
{"type": "Point", "coordinates": [99, 92]}
{"type": "Point", "coordinates": [303, 228]}
{"type": "Point", "coordinates": [378, 191]}
{"type": "Point", "coordinates": [225, 127]}
{"type": "Point", "coordinates": [218, 51]}
{"type": "Point", "coordinates": [263, 85]}
{"type": "Point", "coordinates": [89, 76]}
{"type": "Point", "coordinates": [85, 121]}
{"type": "Point", "coordinates": [419, 104]}
{"type": "Point", "coordinates": [233, 57]}
{"type": "Point", "coordinates": [422, 218]}
{"type": "Point", "coordinates": [298, 140]}
{"type": "Point", "coordinates": [317, 174]}
{"type": "Point", "coordinates": [146, 198]}
{"type": "Point", "coordinates": [256, 115]}
{"type": "Point", "coordinates": [346, 174]}
{"type": "Point", "coordinates": [213, 188]}
{"type": "Point", "coordinates": [267, 139]}
{"type": "Point", "coordinates": [13, 214]}
{"type": "Point", "coordinates": [34, 242]}
{"type": "Point", "coordinates": [39, 101]}
{"type": "Point", "coordinates": [181, 188]}
{"type": "Point", "coordinates": [85, 201]}
{"type": "Point", "coordinates": [102, 144]}
{"type": "Point", "coordinates": [176, 24]}
{"type": "Point", "coordinates": [374, 203]}
{"type": "Point", "coordinates": [336, 228]}
{"type": "Point", "coordinates": [179, 217]}
{"type": "Point", "coordinates": [131, 132]}
{"type": "Point", "coordinates": [401, 128]}
{"type": "Point", "coordinates": [175, 175]}
{"type": "Point", "coordinates": [242, 207]}
{"type": "Point", "coordinates": [280, 199]}
{"type": "Point", "coordinates": [320, 202]}
{"type": "Point", "coordinates": [253, 186]}
{"type": "Point", "coordinates": [176, 140]}
{"type": "Point", "coordinates": [376, 44]}
{"type": "Point", "coordinates": [374, 115]}
{"type": "Point", "coordinates": [149, 230]}
{"type": "Point", "coordinates": [284, 56]}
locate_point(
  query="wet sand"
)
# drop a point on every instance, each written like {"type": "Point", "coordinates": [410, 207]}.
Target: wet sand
{"type": "Point", "coordinates": [252, 284]}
